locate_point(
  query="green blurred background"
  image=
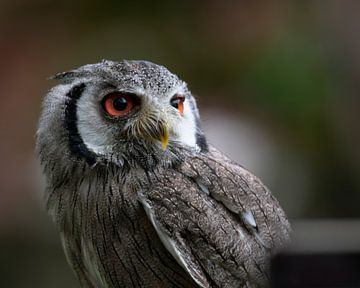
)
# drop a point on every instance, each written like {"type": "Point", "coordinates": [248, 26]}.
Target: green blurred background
{"type": "Point", "coordinates": [277, 84]}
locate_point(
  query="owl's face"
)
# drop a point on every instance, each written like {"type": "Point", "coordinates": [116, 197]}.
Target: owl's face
{"type": "Point", "coordinates": [112, 110]}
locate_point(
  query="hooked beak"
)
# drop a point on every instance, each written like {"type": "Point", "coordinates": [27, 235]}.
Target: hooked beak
{"type": "Point", "coordinates": [158, 132]}
{"type": "Point", "coordinates": [151, 129]}
{"type": "Point", "coordinates": [163, 136]}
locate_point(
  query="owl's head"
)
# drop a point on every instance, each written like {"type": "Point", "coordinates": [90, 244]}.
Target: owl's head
{"type": "Point", "coordinates": [117, 111]}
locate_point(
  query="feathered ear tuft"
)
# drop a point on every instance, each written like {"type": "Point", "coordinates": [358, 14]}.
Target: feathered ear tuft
{"type": "Point", "coordinates": [69, 76]}
{"type": "Point", "coordinates": [89, 70]}
{"type": "Point", "coordinates": [63, 75]}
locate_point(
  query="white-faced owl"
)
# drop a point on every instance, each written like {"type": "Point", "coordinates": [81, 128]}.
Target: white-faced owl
{"type": "Point", "coordinates": [139, 196]}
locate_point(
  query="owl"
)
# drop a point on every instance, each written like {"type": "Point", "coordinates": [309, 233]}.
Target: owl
{"type": "Point", "coordinates": [138, 195]}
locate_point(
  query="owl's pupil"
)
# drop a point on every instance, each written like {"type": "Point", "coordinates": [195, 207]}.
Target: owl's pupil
{"type": "Point", "coordinates": [175, 103]}
{"type": "Point", "coordinates": [120, 103]}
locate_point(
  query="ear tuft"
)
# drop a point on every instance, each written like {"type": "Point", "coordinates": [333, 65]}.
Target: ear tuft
{"type": "Point", "coordinates": [63, 76]}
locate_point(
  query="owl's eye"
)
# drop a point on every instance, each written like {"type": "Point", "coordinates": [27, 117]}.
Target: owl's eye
{"type": "Point", "coordinates": [178, 102]}
{"type": "Point", "coordinates": [118, 103]}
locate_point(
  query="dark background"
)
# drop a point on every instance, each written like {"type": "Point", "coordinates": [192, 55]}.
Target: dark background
{"type": "Point", "coordinates": [277, 84]}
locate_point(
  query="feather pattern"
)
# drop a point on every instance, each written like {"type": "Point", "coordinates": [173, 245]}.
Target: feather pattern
{"type": "Point", "coordinates": [228, 252]}
{"type": "Point", "coordinates": [202, 242]}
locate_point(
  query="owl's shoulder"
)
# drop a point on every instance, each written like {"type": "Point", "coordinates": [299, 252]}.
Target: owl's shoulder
{"type": "Point", "coordinates": [209, 207]}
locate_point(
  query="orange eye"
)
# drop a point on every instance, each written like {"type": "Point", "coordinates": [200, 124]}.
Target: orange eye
{"type": "Point", "coordinates": [178, 102]}
{"type": "Point", "coordinates": [118, 103]}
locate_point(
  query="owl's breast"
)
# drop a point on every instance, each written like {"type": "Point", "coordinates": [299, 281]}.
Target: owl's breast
{"type": "Point", "coordinates": [116, 244]}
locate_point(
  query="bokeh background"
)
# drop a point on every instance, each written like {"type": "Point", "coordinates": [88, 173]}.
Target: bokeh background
{"type": "Point", "coordinates": [277, 84]}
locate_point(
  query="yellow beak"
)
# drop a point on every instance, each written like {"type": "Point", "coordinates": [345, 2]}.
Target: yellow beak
{"type": "Point", "coordinates": [154, 132]}
{"type": "Point", "coordinates": [164, 138]}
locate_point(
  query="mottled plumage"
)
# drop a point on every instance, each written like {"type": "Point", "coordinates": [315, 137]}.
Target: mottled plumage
{"type": "Point", "coordinates": [134, 210]}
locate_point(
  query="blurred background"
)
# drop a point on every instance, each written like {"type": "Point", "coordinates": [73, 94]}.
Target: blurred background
{"type": "Point", "coordinates": [277, 84]}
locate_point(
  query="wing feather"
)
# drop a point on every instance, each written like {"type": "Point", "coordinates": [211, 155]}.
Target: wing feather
{"type": "Point", "coordinates": [216, 219]}
{"type": "Point", "coordinates": [173, 245]}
